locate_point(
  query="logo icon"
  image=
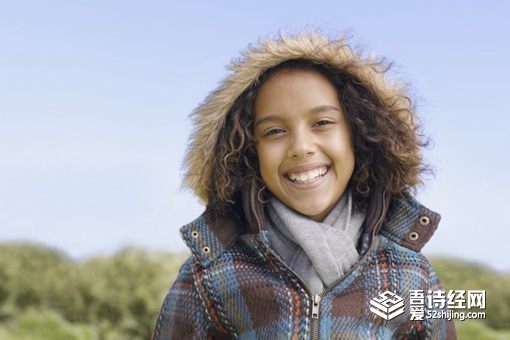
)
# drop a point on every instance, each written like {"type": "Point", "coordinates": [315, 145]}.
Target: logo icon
{"type": "Point", "coordinates": [387, 305]}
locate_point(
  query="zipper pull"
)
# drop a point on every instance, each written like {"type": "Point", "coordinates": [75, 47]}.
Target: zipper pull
{"type": "Point", "coordinates": [315, 306]}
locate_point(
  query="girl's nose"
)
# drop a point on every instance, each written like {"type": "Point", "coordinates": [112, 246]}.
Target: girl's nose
{"type": "Point", "coordinates": [301, 146]}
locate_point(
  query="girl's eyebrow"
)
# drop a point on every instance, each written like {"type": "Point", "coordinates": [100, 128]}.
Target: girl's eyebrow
{"type": "Point", "coordinates": [315, 110]}
{"type": "Point", "coordinates": [323, 108]}
{"type": "Point", "coordinates": [268, 118]}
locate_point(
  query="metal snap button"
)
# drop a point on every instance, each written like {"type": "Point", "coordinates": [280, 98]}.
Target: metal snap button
{"type": "Point", "coordinates": [414, 236]}
{"type": "Point", "coordinates": [424, 220]}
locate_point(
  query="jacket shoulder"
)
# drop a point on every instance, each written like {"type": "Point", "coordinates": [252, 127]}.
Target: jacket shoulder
{"type": "Point", "coordinates": [409, 223]}
{"type": "Point", "coordinates": [182, 315]}
{"type": "Point", "coordinates": [211, 235]}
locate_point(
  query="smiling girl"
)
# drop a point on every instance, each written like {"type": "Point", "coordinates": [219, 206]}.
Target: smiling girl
{"type": "Point", "coordinates": [303, 141]}
{"type": "Point", "coordinates": [306, 158]}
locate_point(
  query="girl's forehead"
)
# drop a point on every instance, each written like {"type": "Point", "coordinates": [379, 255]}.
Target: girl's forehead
{"type": "Point", "coordinates": [296, 87]}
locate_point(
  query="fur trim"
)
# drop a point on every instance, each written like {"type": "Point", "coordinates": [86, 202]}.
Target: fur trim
{"type": "Point", "coordinates": [209, 117]}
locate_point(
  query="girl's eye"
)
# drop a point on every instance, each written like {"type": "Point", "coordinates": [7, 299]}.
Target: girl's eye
{"type": "Point", "coordinates": [272, 132]}
{"type": "Point", "coordinates": [324, 122]}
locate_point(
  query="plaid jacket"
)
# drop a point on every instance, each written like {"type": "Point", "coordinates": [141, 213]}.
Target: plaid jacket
{"type": "Point", "coordinates": [235, 286]}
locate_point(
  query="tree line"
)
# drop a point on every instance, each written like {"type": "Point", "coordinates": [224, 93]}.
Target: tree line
{"type": "Point", "coordinates": [46, 295]}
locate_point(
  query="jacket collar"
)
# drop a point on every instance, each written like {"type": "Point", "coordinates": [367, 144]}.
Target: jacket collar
{"type": "Point", "coordinates": [403, 220]}
{"type": "Point", "coordinates": [409, 223]}
{"type": "Point", "coordinates": [211, 234]}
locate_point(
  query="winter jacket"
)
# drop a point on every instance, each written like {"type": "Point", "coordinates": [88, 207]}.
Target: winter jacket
{"type": "Point", "coordinates": [235, 286]}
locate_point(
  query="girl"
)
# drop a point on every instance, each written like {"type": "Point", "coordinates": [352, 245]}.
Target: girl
{"type": "Point", "coordinates": [305, 157]}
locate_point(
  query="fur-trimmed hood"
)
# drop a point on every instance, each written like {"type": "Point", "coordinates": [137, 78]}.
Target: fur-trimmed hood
{"type": "Point", "coordinates": [209, 117]}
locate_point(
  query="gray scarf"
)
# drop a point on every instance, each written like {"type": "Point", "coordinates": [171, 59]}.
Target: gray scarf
{"type": "Point", "coordinates": [320, 252]}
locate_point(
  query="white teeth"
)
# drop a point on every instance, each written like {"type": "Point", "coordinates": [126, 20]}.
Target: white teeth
{"type": "Point", "coordinates": [308, 176]}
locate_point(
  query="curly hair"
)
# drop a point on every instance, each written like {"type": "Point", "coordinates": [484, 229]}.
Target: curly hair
{"type": "Point", "coordinates": [386, 136]}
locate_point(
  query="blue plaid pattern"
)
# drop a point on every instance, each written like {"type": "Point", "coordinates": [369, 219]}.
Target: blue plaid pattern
{"type": "Point", "coordinates": [244, 291]}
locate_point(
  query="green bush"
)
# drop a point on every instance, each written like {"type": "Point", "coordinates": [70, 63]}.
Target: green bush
{"type": "Point", "coordinates": [45, 295]}
{"type": "Point", "coordinates": [462, 275]}
{"type": "Point", "coordinates": [477, 330]}
{"type": "Point", "coordinates": [45, 325]}
{"type": "Point", "coordinates": [118, 295]}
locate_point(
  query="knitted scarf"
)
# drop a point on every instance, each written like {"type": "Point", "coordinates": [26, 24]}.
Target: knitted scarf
{"type": "Point", "coordinates": [319, 252]}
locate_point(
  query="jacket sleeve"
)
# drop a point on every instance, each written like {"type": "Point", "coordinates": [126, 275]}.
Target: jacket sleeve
{"type": "Point", "coordinates": [183, 314]}
{"type": "Point", "coordinates": [438, 328]}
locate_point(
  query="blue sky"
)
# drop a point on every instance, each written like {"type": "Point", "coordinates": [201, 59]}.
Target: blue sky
{"type": "Point", "coordinates": [95, 97]}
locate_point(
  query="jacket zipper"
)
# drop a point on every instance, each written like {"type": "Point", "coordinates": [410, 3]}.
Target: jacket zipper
{"type": "Point", "coordinates": [314, 327]}
{"type": "Point", "coordinates": [316, 299]}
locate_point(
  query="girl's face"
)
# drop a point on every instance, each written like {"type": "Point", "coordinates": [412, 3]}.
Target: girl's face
{"type": "Point", "coordinates": [304, 143]}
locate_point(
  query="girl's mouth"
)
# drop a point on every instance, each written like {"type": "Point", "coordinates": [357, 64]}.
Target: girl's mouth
{"type": "Point", "coordinates": [307, 176]}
